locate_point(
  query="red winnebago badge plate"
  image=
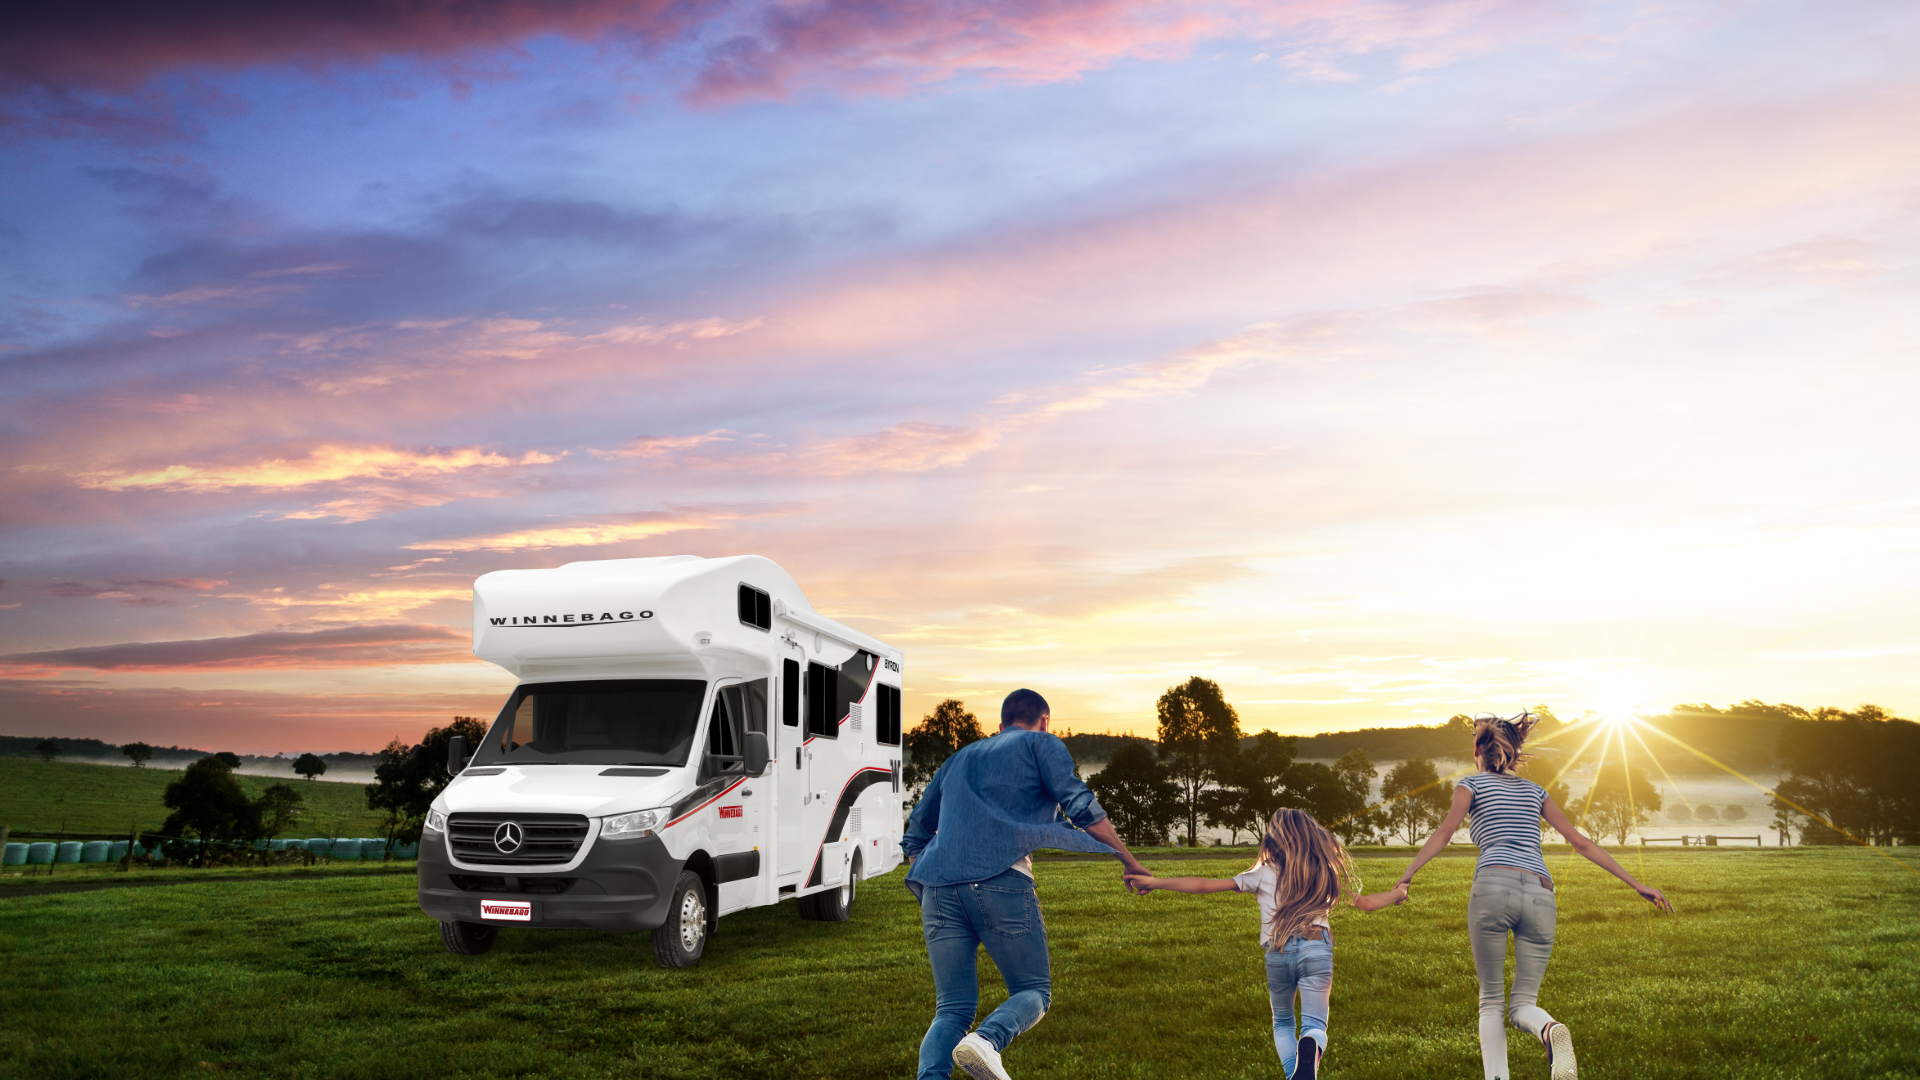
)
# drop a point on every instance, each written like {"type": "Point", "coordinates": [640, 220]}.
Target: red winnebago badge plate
{"type": "Point", "coordinates": [506, 910]}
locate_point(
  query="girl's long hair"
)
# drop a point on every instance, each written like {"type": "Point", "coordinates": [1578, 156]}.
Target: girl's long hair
{"type": "Point", "coordinates": [1310, 868]}
{"type": "Point", "coordinates": [1498, 741]}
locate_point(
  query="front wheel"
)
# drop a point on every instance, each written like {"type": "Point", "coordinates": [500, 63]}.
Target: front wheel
{"type": "Point", "coordinates": [680, 942]}
{"type": "Point", "coordinates": [468, 939]}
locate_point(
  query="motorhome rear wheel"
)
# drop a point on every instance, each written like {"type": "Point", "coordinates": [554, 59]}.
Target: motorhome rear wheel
{"type": "Point", "coordinates": [688, 738]}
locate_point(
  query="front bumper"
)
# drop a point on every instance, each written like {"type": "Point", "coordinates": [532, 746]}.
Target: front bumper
{"type": "Point", "coordinates": [621, 887]}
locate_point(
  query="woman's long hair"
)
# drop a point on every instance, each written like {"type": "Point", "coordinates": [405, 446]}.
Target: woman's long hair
{"type": "Point", "coordinates": [1498, 741]}
{"type": "Point", "coordinates": [1310, 869]}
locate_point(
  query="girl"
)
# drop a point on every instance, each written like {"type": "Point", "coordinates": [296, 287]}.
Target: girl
{"type": "Point", "coordinates": [1300, 875]}
{"type": "Point", "coordinates": [1512, 890]}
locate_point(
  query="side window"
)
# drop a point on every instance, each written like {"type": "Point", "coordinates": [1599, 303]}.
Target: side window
{"type": "Point", "coordinates": [753, 707]}
{"type": "Point", "coordinates": [724, 733]}
{"type": "Point", "coordinates": [855, 674]}
{"type": "Point", "coordinates": [790, 693]}
{"type": "Point", "coordinates": [887, 724]}
{"type": "Point", "coordinates": [756, 608]}
{"type": "Point", "coordinates": [822, 721]}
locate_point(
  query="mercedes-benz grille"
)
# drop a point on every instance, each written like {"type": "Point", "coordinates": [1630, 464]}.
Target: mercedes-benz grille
{"type": "Point", "coordinates": [516, 839]}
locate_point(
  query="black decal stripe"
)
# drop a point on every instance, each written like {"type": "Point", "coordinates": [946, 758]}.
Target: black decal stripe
{"type": "Point", "coordinates": [699, 797]}
{"type": "Point", "coordinates": [860, 781]}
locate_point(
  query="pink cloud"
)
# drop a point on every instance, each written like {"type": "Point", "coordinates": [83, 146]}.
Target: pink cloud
{"type": "Point", "coordinates": [348, 647]}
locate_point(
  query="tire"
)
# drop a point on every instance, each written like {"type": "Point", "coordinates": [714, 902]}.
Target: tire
{"type": "Point", "coordinates": [468, 939]}
{"type": "Point", "coordinates": [681, 941]}
{"type": "Point", "coordinates": [833, 905]}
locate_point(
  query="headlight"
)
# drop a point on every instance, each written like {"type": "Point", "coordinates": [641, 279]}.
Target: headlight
{"type": "Point", "coordinates": [436, 821]}
{"type": "Point", "coordinates": [633, 826]}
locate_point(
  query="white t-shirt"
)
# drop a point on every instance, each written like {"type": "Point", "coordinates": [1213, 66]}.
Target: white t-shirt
{"type": "Point", "coordinates": [1262, 882]}
{"type": "Point", "coordinates": [1025, 866]}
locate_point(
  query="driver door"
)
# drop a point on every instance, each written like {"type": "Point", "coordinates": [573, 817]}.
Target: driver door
{"type": "Point", "coordinates": [737, 824]}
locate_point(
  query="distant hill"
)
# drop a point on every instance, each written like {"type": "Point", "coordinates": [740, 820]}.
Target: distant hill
{"type": "Point", "coordinates": [27, 746]}
{"type": "Point", "coordinates": [76, 797]}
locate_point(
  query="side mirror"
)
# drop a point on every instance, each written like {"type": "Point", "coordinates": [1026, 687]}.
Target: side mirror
{"type": "Point", "coordinates": [758, 752]}
{"type": "Point", "coordinates": [456, 755]}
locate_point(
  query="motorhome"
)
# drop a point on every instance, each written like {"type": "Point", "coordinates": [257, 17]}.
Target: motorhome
{"type": "Point", "coordinates": [688, 738]}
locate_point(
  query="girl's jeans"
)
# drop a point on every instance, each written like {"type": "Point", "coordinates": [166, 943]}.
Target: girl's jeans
{"type": "Point", "coordinates": [1517, 902]}
{"type": "Point", "coordinates": [1002, 914]}
{"type": "Point", "coordinates": [1307, 967]}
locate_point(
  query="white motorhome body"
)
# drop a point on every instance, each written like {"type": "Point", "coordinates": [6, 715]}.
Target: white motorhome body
{"type": "Point", "coordinates": [617, 790]}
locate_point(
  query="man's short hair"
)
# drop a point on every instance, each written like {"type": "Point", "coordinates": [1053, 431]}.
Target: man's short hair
{"type": "Point", "coordinates": [1022, 707]}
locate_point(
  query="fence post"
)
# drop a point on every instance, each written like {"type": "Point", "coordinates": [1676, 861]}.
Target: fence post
{"type": "Point", "coordinates": [133, 835]}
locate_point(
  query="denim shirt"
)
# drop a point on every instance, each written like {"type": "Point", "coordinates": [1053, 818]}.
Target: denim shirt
{"type": "Point", "coordinates": [992, 804]}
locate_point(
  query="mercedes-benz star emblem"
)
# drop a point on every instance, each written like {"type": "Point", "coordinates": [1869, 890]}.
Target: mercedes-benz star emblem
{"type": "Point", "coordinates": [507, 837]}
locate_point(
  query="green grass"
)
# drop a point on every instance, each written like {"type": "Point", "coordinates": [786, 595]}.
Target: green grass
{"type": "Point", "coordinates": [49, 796]}
{"type": "Point", "coordinates": [1796, 963]}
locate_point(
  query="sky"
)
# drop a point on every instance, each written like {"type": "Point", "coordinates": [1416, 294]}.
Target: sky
{"type": "Point", "coordinates": [1378, 361]}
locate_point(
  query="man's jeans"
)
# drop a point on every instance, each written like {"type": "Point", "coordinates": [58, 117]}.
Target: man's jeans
{"type": "Point", "coordinates": [1502, 902]}
{"type": "Point", "coordinates": [1002, 914]}
{"type": "Point", "coordinates": [1305, 966]}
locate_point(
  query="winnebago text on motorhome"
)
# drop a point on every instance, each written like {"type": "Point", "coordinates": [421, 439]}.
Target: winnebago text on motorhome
{"type": "Point", "coordinates": [688, 739]}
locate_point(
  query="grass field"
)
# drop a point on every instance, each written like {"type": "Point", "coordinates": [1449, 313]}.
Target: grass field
{"type": "Point", "coordinates": [1795, 963]}
{"type": "Point", "coordinates": [49, 796]}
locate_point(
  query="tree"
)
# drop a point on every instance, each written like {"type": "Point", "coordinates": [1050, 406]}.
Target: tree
{"type": "Point", "coordinates": [408, 779]}
{"type": "Point", "coordinates": [1416, 799]}
{"type": "Point", "coordinates": [1705, 814]}
{"type": "Point", "coordinates": [279, 807]}
{"type": "Point", "coordinates": [208, 807]}
{"type": "Point", "coordinates": [230, 759]}
{"type": "Point", "coordinates": [1854, 771]}
{"type": "Point", "coordinates": [1734, 812]}
{"type": "Point", "coordinates": [1620, 799]}
{"type": "Point", "coordinates": [1338, 796]}
{"type": "Point", "coordinates": [1679, 814]}
{"type": "Point", "coordinates": [309, 765]}
{"type": "Point", "coordinates": [1199, 736]}
{"type": "Point", "coordinates": [1252, 784]}
{"type": "Point", "coordinates": [1786, 820]}
{"type": "Point", "coordinates": [1138, 794]}
{"type": "Point", "coordinates": [139, 752]}
{"type": "Point", "coordinates": [47, 749]}
{"type": "Point", "coordinates": [939, 736]}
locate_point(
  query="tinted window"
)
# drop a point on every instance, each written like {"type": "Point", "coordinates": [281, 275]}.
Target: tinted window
{"type": "Point", "coordinates": [821, 721]}
{"type": "Point", "coordinates": [887, 725]}
{"type": "Point", "coordinates": [756, 608]}
{"type": "Point", "coordinates": [598, 722]}
{"type": "Point", "coordinates": [790, 693]}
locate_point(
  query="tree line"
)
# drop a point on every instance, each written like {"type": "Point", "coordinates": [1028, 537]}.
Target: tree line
{"type": "Point", "coordinates": [1852, 775]}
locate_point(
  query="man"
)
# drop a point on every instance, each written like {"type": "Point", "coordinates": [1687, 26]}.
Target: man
{"type": "Point", "coordinates": [970, 844]}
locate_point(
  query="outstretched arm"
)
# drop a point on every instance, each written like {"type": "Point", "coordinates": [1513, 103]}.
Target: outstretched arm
{"type": "Point", "coordinates": [1598, 856]}
{"type": "Point", "coordinates": [1102, 831]}
{"type": "Point", "coordinates": [1457, 813]}
{"type": "Point", "coordinates": [1376, 901]}
{"type": "Point", "coordinates": [1146, 883]}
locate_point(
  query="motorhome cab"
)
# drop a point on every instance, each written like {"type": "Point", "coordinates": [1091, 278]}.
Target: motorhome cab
{"type": "Point", "coordinates": [688, 739]}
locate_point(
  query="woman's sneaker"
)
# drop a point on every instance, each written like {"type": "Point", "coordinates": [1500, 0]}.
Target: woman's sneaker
{"type": "Point", "coordinates": [1560, 1051]}
{"type": "Point", "coordinates": [976, 1057]}
{"type": "Point", "coordinates": [1307, 1061]}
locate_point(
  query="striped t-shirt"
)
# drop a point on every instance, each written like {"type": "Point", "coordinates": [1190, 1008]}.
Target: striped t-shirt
{"type": "Point", "coordinates": [1506, 821]}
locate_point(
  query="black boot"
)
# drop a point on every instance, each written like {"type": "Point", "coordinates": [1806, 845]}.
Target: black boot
{"type": "Point", "coordinates": [1307, 1061]}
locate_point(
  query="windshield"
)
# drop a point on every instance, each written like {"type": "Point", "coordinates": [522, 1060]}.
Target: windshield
{"type": "Point", "coordinates": [599, 722]}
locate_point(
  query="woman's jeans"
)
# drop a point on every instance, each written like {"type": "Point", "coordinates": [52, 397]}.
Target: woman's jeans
{"type": "Point", "coordinates": [1002, 914]}
{"type": "Point", "coordinates": [1307, 967]}
{"type": "Point", "coordinates": [1517, 902]}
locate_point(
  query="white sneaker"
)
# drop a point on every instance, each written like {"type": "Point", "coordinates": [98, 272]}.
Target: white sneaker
{"type": "Point", "coordinates": [1560, 1051]}
{"type": "Point", "coordinates": [976, 1057]}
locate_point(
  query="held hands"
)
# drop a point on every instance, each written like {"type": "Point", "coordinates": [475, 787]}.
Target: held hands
{"type": "Point", "coordinates": [1140, 880]}
{"type": "Point", "coordinates": [1399, 893]}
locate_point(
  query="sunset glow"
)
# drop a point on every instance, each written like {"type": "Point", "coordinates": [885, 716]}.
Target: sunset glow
{"type": "Point", "coordinates": [1379, 362]}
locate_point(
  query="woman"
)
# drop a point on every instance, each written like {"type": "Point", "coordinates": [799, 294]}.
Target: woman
{"type": "Point", "coordinates": [1512, 889]}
